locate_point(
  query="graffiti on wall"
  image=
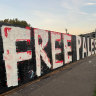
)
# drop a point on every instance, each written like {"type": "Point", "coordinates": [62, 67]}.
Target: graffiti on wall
{"type": "Point", "coordinates": [30, 52]}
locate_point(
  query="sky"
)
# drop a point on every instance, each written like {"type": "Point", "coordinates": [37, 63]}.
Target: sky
{"type": "Point", "coordinates": [78, 16]}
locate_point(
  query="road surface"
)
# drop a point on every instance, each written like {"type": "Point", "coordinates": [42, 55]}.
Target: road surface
{"type": "Point", "coordinates": [77, 80]}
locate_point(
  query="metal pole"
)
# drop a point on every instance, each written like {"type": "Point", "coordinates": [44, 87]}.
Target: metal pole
{"type": "Point", "coordinates": [66, 31]}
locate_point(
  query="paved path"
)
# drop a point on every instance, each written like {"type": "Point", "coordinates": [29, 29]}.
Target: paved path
{"type": "Point", "coordinates": [78, 80]}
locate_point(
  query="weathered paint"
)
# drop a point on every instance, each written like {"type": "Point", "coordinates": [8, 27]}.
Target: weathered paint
{"type": "Point", "coordinates": [27, 53]}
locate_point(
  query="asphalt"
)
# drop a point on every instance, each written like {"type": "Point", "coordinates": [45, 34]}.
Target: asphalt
{"type": "Point", "coordinates": [77, 80]}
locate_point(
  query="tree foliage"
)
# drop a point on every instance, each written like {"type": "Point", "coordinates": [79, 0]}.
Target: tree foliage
{"type": "Point", "coordinates": [16, 22]}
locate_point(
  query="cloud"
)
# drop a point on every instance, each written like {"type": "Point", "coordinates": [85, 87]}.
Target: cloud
{"type": "Point", "coordinates": [74, 6]}
{"type": "Point", "coordinates": [82, 13]}
{"type": "Point", "coordinates": [66, 5]}
{"type": "Point", "coordinates": [49, 21]}
{"type": "Point", "coordinates": [48, 17]}
{"type": "Point", "coordinates": [94, 14]}
{"type": "Point", "coordinates": [90, 4]}
{"type": "Point", "coordinates": [45, 17]}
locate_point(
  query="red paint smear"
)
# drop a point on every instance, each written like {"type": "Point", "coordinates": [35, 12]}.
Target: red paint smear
{"type": "Point", "coordinates": [22, 39]}
{"type": "Point", "coordinates": [70, 47]}
{"type": "Point", "coordinates": [28, 41]}
{"type": "Point", "coordinates": [65, 46]}
{"type": "Point", "coordinates": [20, 63]}
{"type": "Point", "coordinates": [20, 52]}
{"type": "Point", "coordinates": [29, 52]}
{"type": "Point", "coordinates": [19, 79]}
{"type": "Point", "coordinates": [36, 28]}
{"type": "Point", "coordinates": [68, 57]}
{"type": "Point", "coordinates": [20, 58]}
{"type": "Point", "coordinates": [59, 61]}
{"type": "Point", "coordinates": [5, 58]}
{"type": "Point", "coordinates": [7, 52]}
{"type": "Point", "coordinates": [28, 28]}
{"type": "Point", "coordinates": [6, 29]}
{"type": "Point", "coordinates": [68, 34]}
{"type": "Point", "coordinates": [17, 49]}
{"type": "Point", "coordinates": [68, 40]}
{"type": "Point", "coordinates": [40, 29]}
{"type": "Point", "coordinates": [58, 39]}
{"type": "Point", "coordinates": [54, 32]}
{"type": "Point", "coordinates": [8, 66]}
{"type": "Point", "coordinates": [17, 63]}
{"type": "Point", "coordinates": [48, 60]}
{"type": "Point", "coordinates": [39, 36]}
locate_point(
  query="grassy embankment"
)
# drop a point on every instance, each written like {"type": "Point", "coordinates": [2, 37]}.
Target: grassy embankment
{"type": "Point", "coordinates": [94, 92]}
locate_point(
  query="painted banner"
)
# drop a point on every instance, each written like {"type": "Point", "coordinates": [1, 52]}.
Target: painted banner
{"type": "Point", "coordinates": [28, 53]}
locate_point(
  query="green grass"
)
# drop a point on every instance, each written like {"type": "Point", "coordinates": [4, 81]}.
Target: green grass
{"type": "Point", "coordinates": [94, 92]}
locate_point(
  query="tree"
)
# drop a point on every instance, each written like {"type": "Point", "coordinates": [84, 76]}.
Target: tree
{"type": "Point", "coordinates": [16, 22]}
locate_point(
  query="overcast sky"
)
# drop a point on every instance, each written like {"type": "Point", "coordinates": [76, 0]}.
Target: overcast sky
{"type": "Point", "coordinates": [78, 16]}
